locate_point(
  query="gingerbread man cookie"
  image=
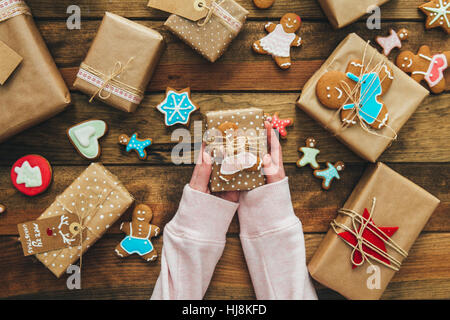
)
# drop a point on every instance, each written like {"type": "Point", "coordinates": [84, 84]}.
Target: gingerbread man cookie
{"type": "Point", "coordinates": [234, 155]}
{"type": "Point", "coordinates": [136, 144]}
{"type": "Point", "coordinates": [438, 14]}
{"type": "Point", "coordinates": [357, 93]}
{"type": "Point", "coordinates": [139, 233]}
{"type": "Point", "coordinates": [280, 39]}
{"type": "Point", "coordinates": [309, 154]}
{"type": "Point", "coordinates": [329, 174]}
{"type": "Point", "coordinates": [279, 124]}
{"type": "Point", "coordinates": [425, 67]}
{"type": "Point", "coordinates": [394, 40]}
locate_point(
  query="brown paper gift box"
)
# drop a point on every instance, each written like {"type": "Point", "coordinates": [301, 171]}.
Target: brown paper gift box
{"type": "Point", "coordinates": [35, 91]}
{"type": "Point", "coordinates": [251, 121]}
{"type": "Point", "coordinates": [201, 38]}
{"type": "Point", "coordinates": [9, 61]}
{"type": "Point", "coordinates": [399, 203]}
{"type": "Point", "coordinates": [98, 197]}
{"type": "Point", "coordinates": [402, 100]}
{"type": "Point", "coordinates": [117, 41]}
{"type": "Point", "coordinates": [343, 12]}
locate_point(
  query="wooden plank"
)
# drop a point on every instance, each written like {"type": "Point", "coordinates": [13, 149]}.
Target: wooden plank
{"type": "Point", "coordinates": [69, 47]}
{"type": "Point", "coordinates": [424, 274]}
{"type": "Point", "coordinates": [161, 187]}
{"type": "Point", "coordinates": [419, 141]}
{"type": "Point", "coordinates": [307, 9]}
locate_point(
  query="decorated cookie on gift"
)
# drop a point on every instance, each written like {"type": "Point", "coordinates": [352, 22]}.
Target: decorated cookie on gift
{"type": "Point", "coordinates": [136, 144]}
{"type": "Point", "coordinates": [85, 137]}
{"type": "Point", "coordinates": [235, 156]}
{"type": "Point", "coordinates": [329, 174]}
{"type": "Point", "coordinates": [139, 234]}
{"type": "Point", "coordinates": [177, 107]}
{"type": "Point", "coordinates": [438, 14]}
{"type": "Point", "coordinates": [394, 40]}
{"type": "Point", "coordinates": [425, 66]}
{"type": "Point", "coordinates": [279, 124]}
{"type": "Point", "coordinates": [357, 93]}
{"type": "Point", "coordinates": [310, 153]}
{"type": "Point", "coordinates": [280, 39]}
{"type": "Point", "coordinates": [31, 175]}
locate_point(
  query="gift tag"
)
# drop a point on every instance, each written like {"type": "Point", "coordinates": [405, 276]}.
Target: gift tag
{"type": "Point", "coordinates": [9, 61]}
{"type": "Point", "coordinates": [49, 234]}
{"type": "Point", "coordinates": [190, 9]}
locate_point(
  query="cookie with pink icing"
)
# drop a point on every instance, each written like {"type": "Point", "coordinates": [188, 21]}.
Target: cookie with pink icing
{"type": "Point", "coordinates": [280, 39]}
{"type": "Point", "coordinates": [425, 66]}
{"type": "Point", "coordinates": [394, 40]}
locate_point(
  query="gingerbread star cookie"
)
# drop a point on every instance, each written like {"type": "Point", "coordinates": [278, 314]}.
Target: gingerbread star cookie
{"type": "Point", "coordinates": [177, 107]}
{"type": "Point", "coordinates": [438, 14]}
{"type": "Point", "coordinates": [279, 124]}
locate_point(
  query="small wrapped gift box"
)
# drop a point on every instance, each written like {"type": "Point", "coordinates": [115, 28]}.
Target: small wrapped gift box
{"type": "Point", "coordinates": [120, 62]}
{"type": "Point", "coordinates": [98, 198]}
{"type": "Point", "coordinates": [376, 228]}
{"type": "Point", "coordinates": [210, 37]}
{"type": "Point", "coordinates": [343, 12]}
{"type": "Point", "coordinates": [36, 90]}
{"type": "Point", "coordinates": [237, 142]}
{"type": "Point", "coordinates": [399, 101]}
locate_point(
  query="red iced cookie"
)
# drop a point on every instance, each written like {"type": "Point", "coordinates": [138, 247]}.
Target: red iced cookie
{"type": "Point", "coordinates": [31, 174]}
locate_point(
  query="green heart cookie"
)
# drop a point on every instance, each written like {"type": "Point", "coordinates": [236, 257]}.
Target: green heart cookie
{"type": "Point", "coordinates": [84, 137]}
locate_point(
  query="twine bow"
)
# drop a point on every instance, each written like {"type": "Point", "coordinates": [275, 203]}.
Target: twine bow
{"type": "Point", "coordinates": [111, 80]}
{"type": "Point", "coordinates": [225, 17]}
{"type": "Point", "coordinates": [364, 223]}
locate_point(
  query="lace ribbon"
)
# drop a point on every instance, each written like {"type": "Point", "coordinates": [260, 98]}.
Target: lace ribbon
{"type": "Point", "coordinates": [12, 8]}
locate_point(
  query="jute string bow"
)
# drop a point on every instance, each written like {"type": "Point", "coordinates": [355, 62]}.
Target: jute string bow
{"type": "Point", "coordinates": [355, 97]}
{"type": "Point", "coordinates": [111, 80]}
{"type": "Point", "coordinates": [225, 17]}
{"type": "Point", "coordinates": [358, 220]}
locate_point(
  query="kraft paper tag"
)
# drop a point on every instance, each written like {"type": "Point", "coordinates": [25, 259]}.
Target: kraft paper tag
{"type": "Point", "coordinates": [190, 9]}
{"type": "Point", "coordinates": [49, 234]}
{"type": "Point", "coordinates": [9, 61]}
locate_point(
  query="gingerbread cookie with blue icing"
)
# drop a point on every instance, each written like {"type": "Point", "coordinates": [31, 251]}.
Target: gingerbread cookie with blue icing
{"type": "Point", "coordinates": [177, 107]}
{"type": "Point", "coordinates": [139, 233]}
{"type": "Point", "coordinates": [329, 174]}
{"type": "Point", "coordinates": [136, 144]}
{"type": "Point", "coordinates": [357, 93]}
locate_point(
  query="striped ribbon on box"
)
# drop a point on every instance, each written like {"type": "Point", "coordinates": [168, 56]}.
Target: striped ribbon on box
{"type": "Point", "coordinates": [12, 8]}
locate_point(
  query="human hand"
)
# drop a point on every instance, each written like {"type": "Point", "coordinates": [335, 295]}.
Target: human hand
{"type": "Point", "coordinates": [273, 161]}
{"type": "Point", "coordinates": [202, 174]}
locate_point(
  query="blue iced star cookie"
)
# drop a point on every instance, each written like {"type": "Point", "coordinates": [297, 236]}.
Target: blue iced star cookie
{"type": "Point", "coordinates": [177, 107]}
{"type": "Point", "coordinates": [136, 144]}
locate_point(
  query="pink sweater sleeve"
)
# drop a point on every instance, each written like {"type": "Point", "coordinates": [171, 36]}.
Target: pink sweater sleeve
{"type": "Point", "coordinates": [273, 244]}
{"type": "Point", "coordinates": [193, 244]}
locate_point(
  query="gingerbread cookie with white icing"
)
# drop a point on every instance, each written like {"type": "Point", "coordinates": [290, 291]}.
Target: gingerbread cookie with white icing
{"type": "Point", "coordinates": [357, 93]}
{"type": "Point", "coordinates": [139, 234]}
{"type": "Point", "coordinates": [234, 155]}
{"type": "Point", "coordinates": [425, 66]}
{"type": "Point", "coordinates": [280, 39]}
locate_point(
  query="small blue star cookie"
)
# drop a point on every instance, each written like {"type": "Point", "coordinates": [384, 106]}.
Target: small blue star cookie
{"type": "Point", "coordinates": [177, 107]}
{"type": "Point", "coordinates": [136, 144]}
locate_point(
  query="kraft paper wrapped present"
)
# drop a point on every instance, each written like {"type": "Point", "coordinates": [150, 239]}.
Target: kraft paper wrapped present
{"type": "Point", "coordinates": [120, 62]}
{"type": "Point", "coordinates": [98, 198]}
{"type": "Point", "coordinates": [35, 91]}
{"type": "Point", "coordinates": [397, 210]}
{"type": "Point", "coordinates": [401, 100]}
{"type": "Point", "coordinates": [237, 142]}
{"type": "Point", "coordinates": [341, 13]}
{"type": "Point", "coordinates": [220, 28]}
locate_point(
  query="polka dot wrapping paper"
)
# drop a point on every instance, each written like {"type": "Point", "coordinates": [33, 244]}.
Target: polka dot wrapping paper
{"type": "Point", "coordinates": [250, 123]}
{"type": "Point", "coordinates": [99, 199]}
{"type": "Point", "coordinates": [212, 39]}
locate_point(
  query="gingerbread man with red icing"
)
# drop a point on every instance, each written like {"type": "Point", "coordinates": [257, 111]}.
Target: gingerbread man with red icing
{"type": "Point", "coordinates": [425, 66]}
{"type": "Point", "coordinates": [280, 39]}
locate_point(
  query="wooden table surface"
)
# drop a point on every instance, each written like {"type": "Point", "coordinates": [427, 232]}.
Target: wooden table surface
{"type": "Point", "coordinates": [239, 79]}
